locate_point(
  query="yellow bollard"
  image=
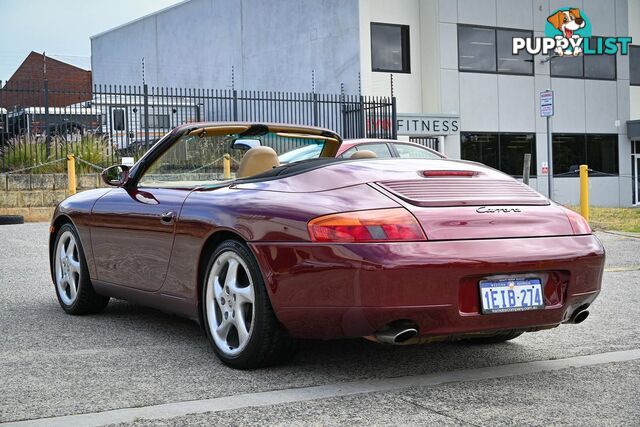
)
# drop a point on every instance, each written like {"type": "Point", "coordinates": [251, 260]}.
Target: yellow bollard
{"type": "Point", "coordinates": [584, 191]}
{"type": "Point", "coordinates": [71, 173]}
{"type": "Point", "coordinates": [226, 166]}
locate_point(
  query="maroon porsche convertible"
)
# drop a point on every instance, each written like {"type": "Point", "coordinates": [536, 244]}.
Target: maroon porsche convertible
{"type": "Point", "coordinates": [399, 251]}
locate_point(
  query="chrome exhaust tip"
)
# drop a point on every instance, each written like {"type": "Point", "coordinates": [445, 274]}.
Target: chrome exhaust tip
{"type": "Point", "coordinates": [579, 316]}
{"type": "Point", "coordinates": [396, 335]}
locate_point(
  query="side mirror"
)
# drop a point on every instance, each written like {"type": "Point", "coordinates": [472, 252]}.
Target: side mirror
{"type": "Point", "coordinates": [116, 176]}
{"type": "Point", "coordinates": [245, 144]}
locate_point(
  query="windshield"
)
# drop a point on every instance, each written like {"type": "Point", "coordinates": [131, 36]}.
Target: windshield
{"type": "Point", "coordinates": [205, 157]}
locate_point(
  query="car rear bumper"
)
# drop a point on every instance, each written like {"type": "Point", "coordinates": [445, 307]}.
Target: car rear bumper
{"type": "Point", "coordinates": [351, 290]}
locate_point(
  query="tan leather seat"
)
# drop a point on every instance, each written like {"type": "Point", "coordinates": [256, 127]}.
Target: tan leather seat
{"type": "Point", "coordinates": [257, 160]}
{"type": "Point", "coordinates": [363, 154]}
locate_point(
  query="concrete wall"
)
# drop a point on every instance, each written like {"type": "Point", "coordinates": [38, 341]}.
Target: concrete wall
{"type": "Point", "coordinates": [35, 196]}
{"type": "Point", "coordinates": [271, 45]}
{"type": "Point", "coordinates": [407, 86]}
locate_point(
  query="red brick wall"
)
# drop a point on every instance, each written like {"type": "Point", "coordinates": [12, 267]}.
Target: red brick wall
{"type": "Point", "coordinates": [68, 84]}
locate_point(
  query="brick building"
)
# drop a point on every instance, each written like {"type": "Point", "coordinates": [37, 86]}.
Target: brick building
{"type": "Point", "coordinates": [67, 83]}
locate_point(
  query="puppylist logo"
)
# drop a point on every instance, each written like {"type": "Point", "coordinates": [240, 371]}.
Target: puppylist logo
{"type": "Point", "coordinates": [568, 33]}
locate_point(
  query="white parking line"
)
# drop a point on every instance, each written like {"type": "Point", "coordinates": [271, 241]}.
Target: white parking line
{"type": "Point", "coordinates": [267, 398]}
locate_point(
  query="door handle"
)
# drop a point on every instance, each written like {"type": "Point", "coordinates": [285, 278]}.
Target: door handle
{"type": "Point", "coordinates": [168, 217]}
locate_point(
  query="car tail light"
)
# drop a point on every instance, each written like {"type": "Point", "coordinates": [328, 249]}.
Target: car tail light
{"type": "Point", "coordinates": [379, 225]}
{"type": "Point", "coordinates": [579, 225]}
{"type": "Point", "coordinates": [433, 173]}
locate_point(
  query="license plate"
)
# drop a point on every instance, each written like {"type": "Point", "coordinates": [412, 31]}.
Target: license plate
{"type": "Point", "coordinates": [508, 295]}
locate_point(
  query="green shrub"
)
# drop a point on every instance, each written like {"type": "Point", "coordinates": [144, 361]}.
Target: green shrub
{"type": "Point", "coordinates": [29, 152]}
{"type": "Point", "coordinates": [95, 150]}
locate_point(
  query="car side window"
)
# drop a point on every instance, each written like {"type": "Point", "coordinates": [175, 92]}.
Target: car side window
{"type": "Point", "coordinates": [381, 150]}
{"type": "Point", "coordinates": [407, 151]}
{"type": "Point", "coordinates": [349, 152]}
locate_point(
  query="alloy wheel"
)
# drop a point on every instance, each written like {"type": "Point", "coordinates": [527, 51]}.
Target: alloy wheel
{"type": "Point", "coordinates": [67, 268]}
{"type": "Point", "coordinates": [230, 305]}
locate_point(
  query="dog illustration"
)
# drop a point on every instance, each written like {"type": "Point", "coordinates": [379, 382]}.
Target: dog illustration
{"type": "Point", "coordinates": [567, 22]}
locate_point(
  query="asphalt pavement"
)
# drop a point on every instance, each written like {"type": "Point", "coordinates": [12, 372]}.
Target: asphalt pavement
{"type": "Point", "coordinates": [54, 365]}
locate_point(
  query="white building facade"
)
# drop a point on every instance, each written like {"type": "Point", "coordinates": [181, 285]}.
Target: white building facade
{"type": "Point", "coordinates": [453, 74]}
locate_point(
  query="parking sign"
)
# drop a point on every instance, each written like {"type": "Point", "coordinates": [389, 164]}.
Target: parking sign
{"type": "Point", "coordinates": [546, 103]}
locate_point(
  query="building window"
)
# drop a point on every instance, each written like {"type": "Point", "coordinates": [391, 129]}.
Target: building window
{"type": "Point", "coordinates": [489, 50]}
{"type": "Point", "coordinates": [513, 147]}
{"type": "Point", "coordinates": [567, 66]}
{"type": "Point", "coordinates": [602, 153]}
{"type": "Point", "coordinates": [634, 65]}
{"type": "Point", "coordinates": [390, 48]}
{"type": "Point", "coordinates": [599, 152]}
{"type": "Point", "coordinates": [476, 49]}
{"type": "Point", "coordinates": [118, 119]}
{"type": "Point", "coordinates": [599, 67]}
{"type": "Point", "coordinates": [508, 63]}
{"type": "Point", "coordinates": [156, 121]}
{"type": "Point", "coordinates": [503, 151]}
{"type": "Point", "coordinates": [569, 152]}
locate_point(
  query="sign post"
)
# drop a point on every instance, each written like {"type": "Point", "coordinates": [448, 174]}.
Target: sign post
{"type": "Point", "coordinates": [546, 110]}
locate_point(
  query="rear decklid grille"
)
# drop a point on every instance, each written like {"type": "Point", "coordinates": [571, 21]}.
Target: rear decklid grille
{"type": "Point", "coordinates": [467, 191]}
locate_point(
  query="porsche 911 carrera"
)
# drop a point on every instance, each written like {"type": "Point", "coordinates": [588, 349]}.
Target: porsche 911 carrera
{"type": "Point", "coordinates": [396, 250]}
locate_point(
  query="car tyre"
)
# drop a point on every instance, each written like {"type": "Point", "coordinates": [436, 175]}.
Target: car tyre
{"type": "Point", "coordinates": [71, 276]}
{"type": "Point", "coordinates": [495, 339]}
{"type": "Point", "coordinates": [11, 219]}
{"type": "Point", "coordinates": [238, 318]}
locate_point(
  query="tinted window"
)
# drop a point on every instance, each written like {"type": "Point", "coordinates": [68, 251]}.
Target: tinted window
{"type": "Point", "coordinates": [634, 65]}
{"type": "Point", "coordinates": [599, 66]}
{"type": "Point", "coordinates": [512, 150]}
{"type": "Point", "coordinates": [599, 152]}
{"type": "Point", "coordinates": [118, 119]}
{"type": "Point", "coordinates": [503, 151]}
{"type": "Point", "coordinates": [567, 66]}
{"type": "Point", "coordinates": [568, 153]}
{"type": "Point", "coordinates": [508, 63]}
{"type": "Point", "coordinates": [381, 150]}
{"type": "Point", "coordinates": [602, 153]}
{"type": "Point", "coordinates": [407, 151]}
{"type": "Point", "coordinates": [476, 48]}
{"type": "Point", "coordinates": [390, 48]}
{"type": "Point", "coordinates": [480, 147]}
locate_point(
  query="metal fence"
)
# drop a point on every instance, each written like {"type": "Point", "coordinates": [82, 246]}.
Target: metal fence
{"type": "Point", "coordinates": [430, 142]}
{"type": "Point", "coordinates": [40, 125]}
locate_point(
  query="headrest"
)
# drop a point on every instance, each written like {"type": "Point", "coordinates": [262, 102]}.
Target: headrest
{"type": "Point", "coordinates": [257, 160]}
{"type": "Point", "coordinates": [363, 154]}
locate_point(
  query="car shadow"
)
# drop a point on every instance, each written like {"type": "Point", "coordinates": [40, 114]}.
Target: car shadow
{"type": "Point", "coordinates": [342, 359]}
